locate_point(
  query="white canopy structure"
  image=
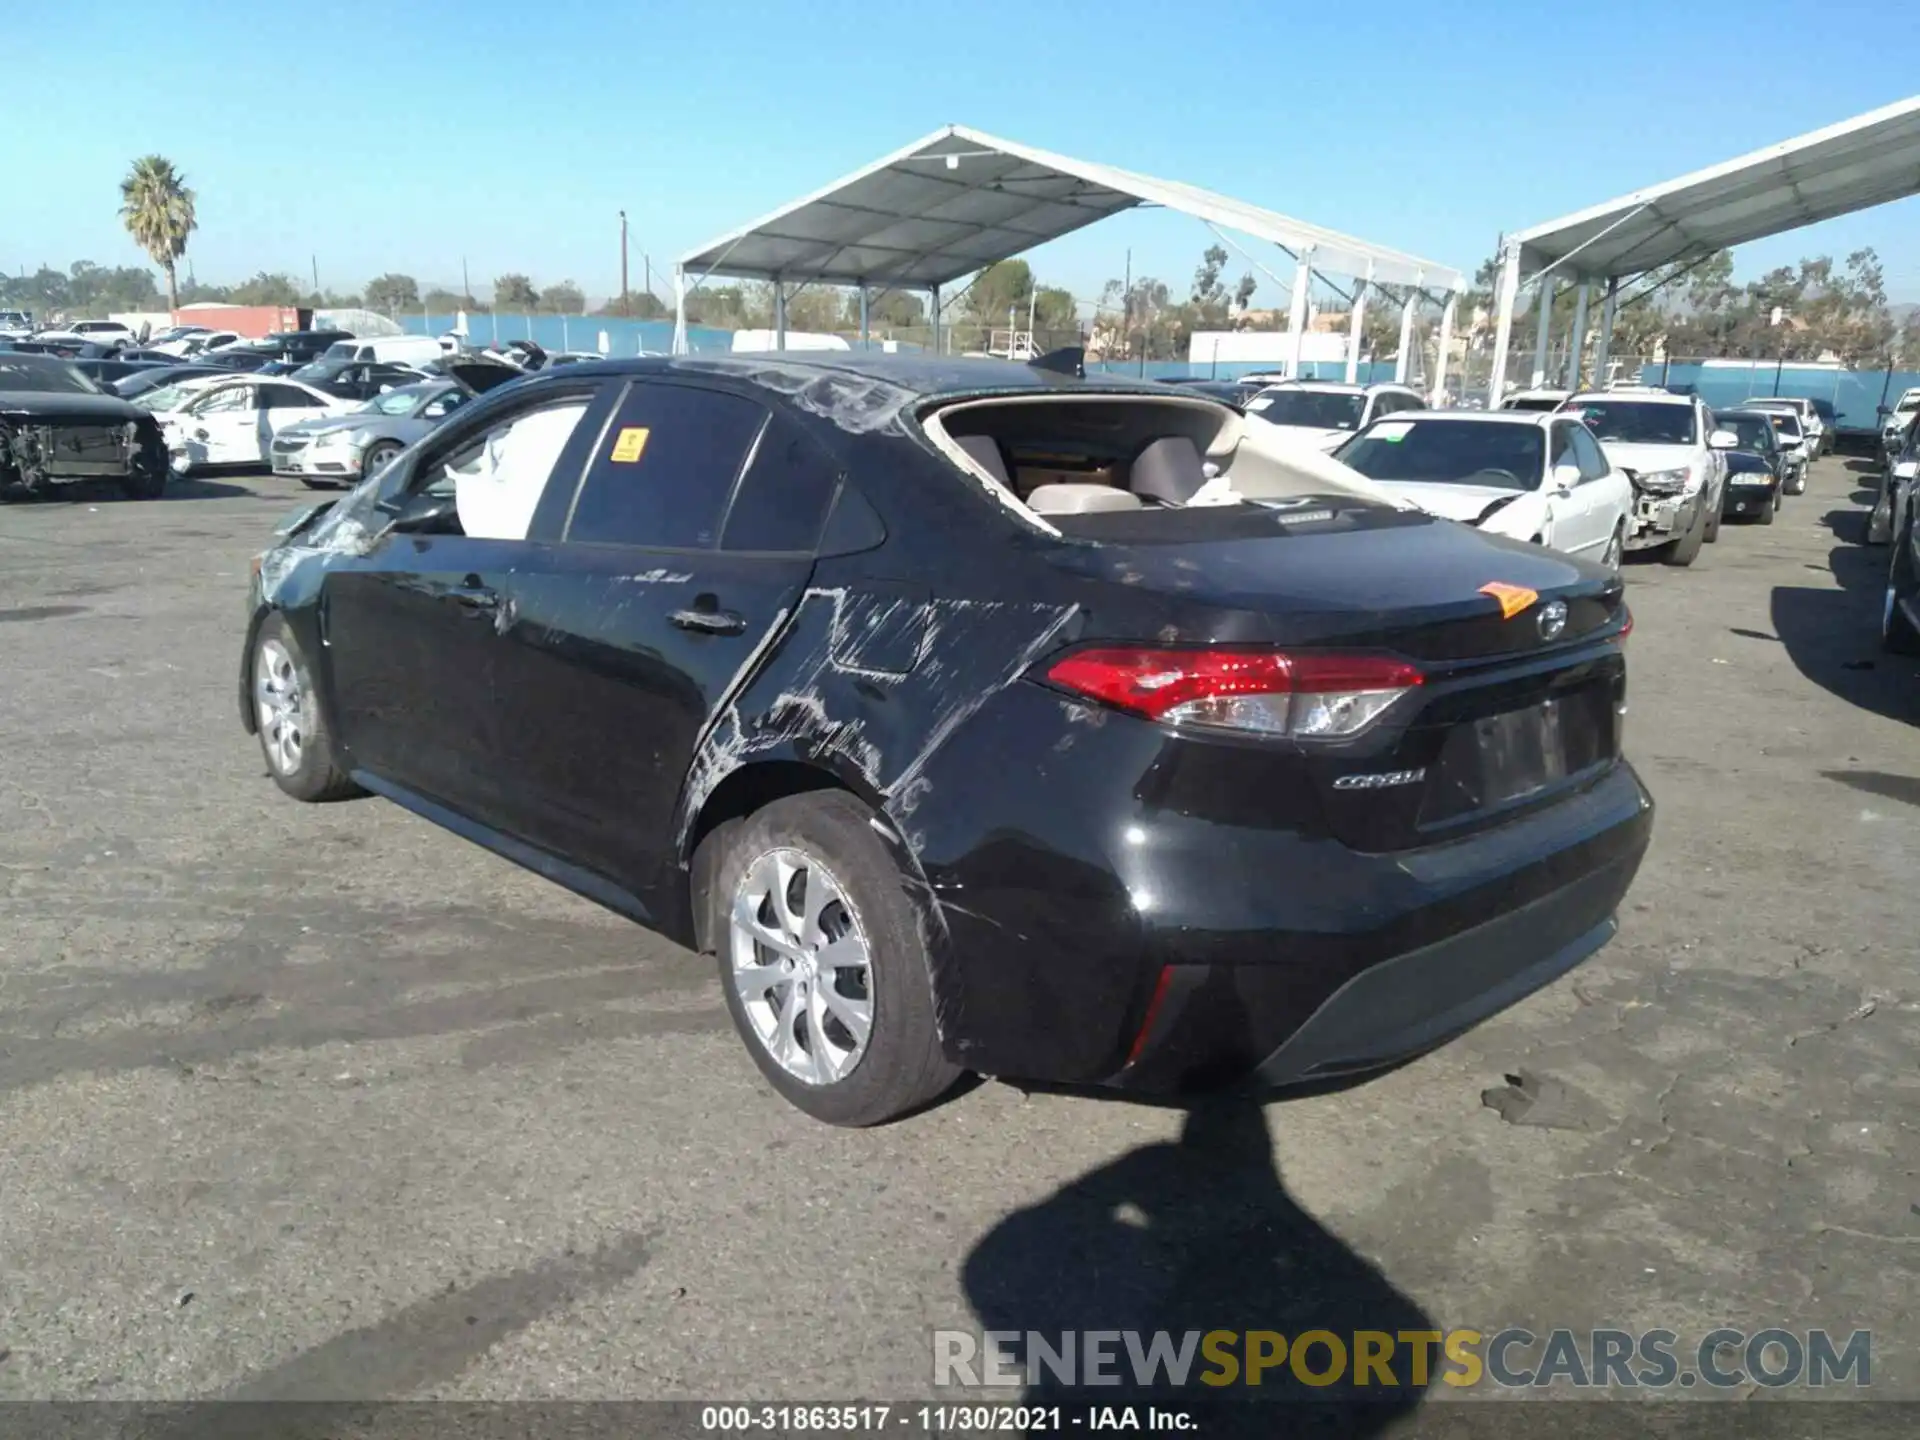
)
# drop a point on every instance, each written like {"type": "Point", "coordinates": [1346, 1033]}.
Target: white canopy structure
{"type": "Point", "coordinates": [1854, 165]}
{"type": "Point", "coordinates": [959, 200]}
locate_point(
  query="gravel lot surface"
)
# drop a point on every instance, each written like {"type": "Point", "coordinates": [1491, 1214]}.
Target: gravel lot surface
{"type": "Point", "coordinates": [323, 1102]}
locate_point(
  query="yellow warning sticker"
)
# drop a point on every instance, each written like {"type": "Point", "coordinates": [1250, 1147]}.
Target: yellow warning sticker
{"type": "Point", "coordinates": [629, 444]}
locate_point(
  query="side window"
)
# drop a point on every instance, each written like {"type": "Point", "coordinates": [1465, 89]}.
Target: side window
{"type": "Point", "coordinates": [782, 500]}
{"type": "Point", "coordinates": [1383, 405]}
{"type": "Point", "coordinates": [1409, 402]}
{"type": "Point", "coordinates": [285, 397]}
{"type": "Point", "coordinates": [225, 401]}
{"type": "Point", "coordinates": [1588, 455]}
{"type": "Point", "coordinates": [499, 477]}
{"type": "Point", "coordinates": [665, 470]}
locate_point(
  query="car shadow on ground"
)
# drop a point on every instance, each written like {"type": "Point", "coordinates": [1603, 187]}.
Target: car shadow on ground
{"type": "Point", "coordinates": [1187, 1237]}
{"type": "Point", "coordinates": [1833, 636]}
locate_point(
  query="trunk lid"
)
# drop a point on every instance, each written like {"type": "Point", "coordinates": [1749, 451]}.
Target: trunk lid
{"type": "Point", "coordinates": [1523, 685]}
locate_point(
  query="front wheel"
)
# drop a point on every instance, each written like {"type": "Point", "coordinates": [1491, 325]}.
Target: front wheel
{"type": "Point", "coordinates": [1714, 516]}
{"type": "Point", "coordinates": [1797, 483]}
{"type": "Point", "coordinates": [1616, 548]}
{"type": "Point", "coordinates": [1686, 549]}
{"type": "Point", "coordinates": [1897, 633]}
{"type": "Point", "coordinates": [824, 967]}
{"type": "Point", "coordinates": [286, 714]}
{"type": "Point", "coordinates": [1765, 517]}
{"type": "Point", "coordinates": [377, 458]}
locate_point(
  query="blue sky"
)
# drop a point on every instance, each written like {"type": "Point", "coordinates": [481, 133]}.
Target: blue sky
{"type": "Point", "coordinates": [402, 136]}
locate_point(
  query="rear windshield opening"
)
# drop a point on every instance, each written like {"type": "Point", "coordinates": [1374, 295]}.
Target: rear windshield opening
{"type": "Point", "coordinates": [1061, 459]}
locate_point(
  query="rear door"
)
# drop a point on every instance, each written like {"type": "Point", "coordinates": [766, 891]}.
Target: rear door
{"type": "Point", "coordinates": [413, 629]}
{"type": "Point", "coordinates": [1605, 489]}
{"type": "Point", "coordinates": [280, 406]}
{"type": "Point", "coordinates": [691, 538]}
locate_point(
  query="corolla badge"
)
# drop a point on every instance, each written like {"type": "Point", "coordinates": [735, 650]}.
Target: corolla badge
{"type": "Point", "coordinates": [1553, 619]}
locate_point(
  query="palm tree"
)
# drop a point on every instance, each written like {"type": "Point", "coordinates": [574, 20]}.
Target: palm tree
{"type": "Point", "coordinates": [157, 207]}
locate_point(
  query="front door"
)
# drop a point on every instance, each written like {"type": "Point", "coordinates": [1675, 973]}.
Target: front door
{"type": "Point", "coordinates": [1573, 519]}
{"type": "Point", "coordinates": [691, 539]}
{"type": "Point", "coordinates": [414, 627]}
{"type": "Point", "coordinates": [219, 425]}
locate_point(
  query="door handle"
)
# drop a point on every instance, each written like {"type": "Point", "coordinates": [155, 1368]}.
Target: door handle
{"type": "Point", "coordinates": [709, 620]}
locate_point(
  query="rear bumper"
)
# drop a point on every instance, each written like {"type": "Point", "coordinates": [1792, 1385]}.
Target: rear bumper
{"type": "Point", "coordinates": [1087, 938]}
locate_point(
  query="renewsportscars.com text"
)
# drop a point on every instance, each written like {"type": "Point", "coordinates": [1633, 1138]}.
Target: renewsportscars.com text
{"type": "Point", "coordinates": [1513, 1358]}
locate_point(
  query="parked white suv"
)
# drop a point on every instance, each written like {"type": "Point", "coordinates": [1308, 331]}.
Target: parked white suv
{"type": "Point", "coordinates": [1325, 414]}
{"type": "Point", "coordinates": [1679, 479]}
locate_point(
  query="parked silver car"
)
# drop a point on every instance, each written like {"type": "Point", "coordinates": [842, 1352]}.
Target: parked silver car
{"type": "Point", "coordinates": [337, 450]}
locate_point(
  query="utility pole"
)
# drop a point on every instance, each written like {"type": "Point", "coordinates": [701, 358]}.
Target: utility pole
{"type": "Point", "coordinates": [466, 285]}
{"type": "Point", "coordinates": [316, 273]}
{"type": "Point", "coordinates": [1126, 303]}
{"type": "Point", "coordinates": [623, 263]}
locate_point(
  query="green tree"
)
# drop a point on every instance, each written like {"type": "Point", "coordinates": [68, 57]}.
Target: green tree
{"type": "Point", "coordinates": [564, 298]}
{"type": "Point", "coordinates": [514, 291]}
{"type": "Point", "coordinates": [1055, 313]}
{"type": "Point", "coordinates": [441, 301]}
{"type": "Point", "coordinates": [158, 210]}
{"type": "Point", "coordinates": [1243, 293]}
{"type": "Point", "coordinates": [393, 291]}
{"type": "Point", "coordinates": [1001, 288]}
{"type": "Point", "coordinates": [267, 288]}
{"type": "Point", "coordinates": [886, 310]}
{"type": "Point", "coordinates": [641, 305]}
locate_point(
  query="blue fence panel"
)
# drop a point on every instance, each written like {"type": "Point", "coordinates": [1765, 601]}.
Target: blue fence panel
{"type": "Point", "coordinates": [1371, 372]}
{"type": "Point", "coordinates": [1856, 395]}
{"type": "Point", "coordinates": [571, 332]}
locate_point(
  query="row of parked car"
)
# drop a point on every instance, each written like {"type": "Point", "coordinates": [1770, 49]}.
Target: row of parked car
{"type": "Point", "coordinates": [1595, 473]}
{"type": "Point", "coordinates": [1893, 522]}
{"type": "Point", "coordinates": [325, 406]}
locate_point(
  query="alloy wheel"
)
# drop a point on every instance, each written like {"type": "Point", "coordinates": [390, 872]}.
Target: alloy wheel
{"type": "Point", "coordinates": [801, 967]}
{"type": "Point", "coordinates": [1886, 612]}
{"type": "Point", "coordinates": [280, 701]}
{"type": "Point", "coordinates": [1611, 559]}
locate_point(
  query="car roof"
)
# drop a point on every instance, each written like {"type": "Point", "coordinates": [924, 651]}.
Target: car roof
{"type": "Point", "coordinates": [922, 376]}
{"type": "Point", "coordinates": [1638, 397]}
{"type": "Point", "coordinates": [1485, 417]}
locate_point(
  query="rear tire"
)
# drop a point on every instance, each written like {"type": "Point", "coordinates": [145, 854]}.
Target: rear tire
{"type": "Point", "coordinates": [813, 929]}
{"type": "Point", "coordinates": [293, 733]}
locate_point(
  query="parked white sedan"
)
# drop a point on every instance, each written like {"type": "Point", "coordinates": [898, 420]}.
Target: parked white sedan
{"type": "Point", "coordinates": [1525, 474]}
{"type": "Point", "coordinates": [233, 422]}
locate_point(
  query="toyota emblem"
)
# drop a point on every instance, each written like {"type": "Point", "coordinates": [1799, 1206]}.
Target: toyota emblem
{"type": "Point", "coordinates": [1553, 619]}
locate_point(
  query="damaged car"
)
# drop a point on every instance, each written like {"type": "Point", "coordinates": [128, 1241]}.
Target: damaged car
{"type": "Point", "coordinates": [973, 717]}
{"type": "Point", "coordinates": [1679, 480]}
{"type": "Point", "coordinates": [337, 450]}
{"type": "Point", "coordinates": [1536, 477]}
{"type": "Point", "coordinates": [57, 427]}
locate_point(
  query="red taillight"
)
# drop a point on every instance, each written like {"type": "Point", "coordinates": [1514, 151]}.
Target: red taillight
{"type": "Point", "coordinates": [1304, 693]}
{"type": "Point", "coordinates": [1626, 626]}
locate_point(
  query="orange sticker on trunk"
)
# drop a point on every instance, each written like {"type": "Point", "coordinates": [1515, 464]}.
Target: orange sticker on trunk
{"type": "Point", "coordinates": [1513, 598]}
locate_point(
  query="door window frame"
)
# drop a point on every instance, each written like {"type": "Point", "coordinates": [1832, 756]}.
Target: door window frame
{"type": "Point", "coordinates": [473, 422]}
{"type": "Point", "coordinates": [768, 409]}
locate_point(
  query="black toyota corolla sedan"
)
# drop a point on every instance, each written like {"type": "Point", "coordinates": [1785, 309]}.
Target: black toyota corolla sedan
{"type": "Point", "coordinates": [975, 717]}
